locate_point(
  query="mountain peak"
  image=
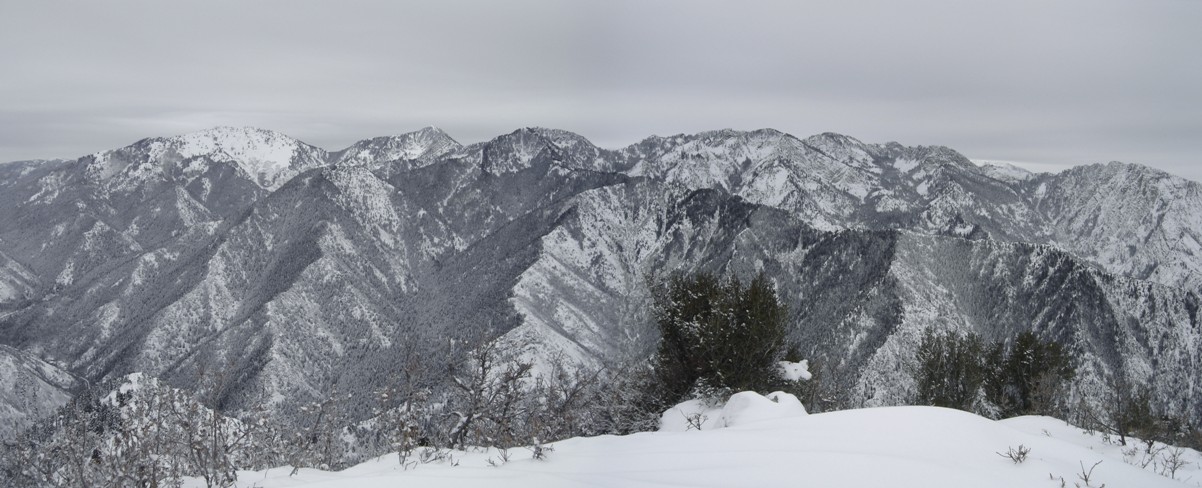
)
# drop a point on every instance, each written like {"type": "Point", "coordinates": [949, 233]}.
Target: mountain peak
{"type": "Point", "coordinates": [1003, 171]}
{"type": "Point", "coordinates": [516, 150]}
{"type": "Point", "coordinates": [427, 142]}
{"type": "Point", "coordinates": [558, 137]}
{"type": "Point", "coordinates": [219, 130]}
{"type": "Point", "coordinates": [432, 131]}
{"type": "Point", "coordinates": [234, 141]}
{"type": "Point", "coordinates": [833, 138]}
{"type": "Point", "coordinates": [230, 137]}
{"type": "Point", "coordinates": [267, 157]}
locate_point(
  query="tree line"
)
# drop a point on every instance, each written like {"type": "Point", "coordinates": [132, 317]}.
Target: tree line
{"type": "Point", "coordinates": [1032, 376]}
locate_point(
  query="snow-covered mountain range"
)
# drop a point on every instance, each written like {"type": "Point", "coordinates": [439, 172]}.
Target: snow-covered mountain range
{"type": "Point", "coordinates": [304, 270]}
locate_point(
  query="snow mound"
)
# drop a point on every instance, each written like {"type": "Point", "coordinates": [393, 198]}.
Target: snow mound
{"type": "Point", "coordinates": [742, 408]}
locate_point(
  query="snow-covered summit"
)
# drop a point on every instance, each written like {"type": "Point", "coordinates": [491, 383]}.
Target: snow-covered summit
{"type": "Point", "coordinates": [267, 157]}
{"type": "Point", "coordinates": [1003, 171]}
{"type": "Point", "coordinates": [270, 147]}
{"type": "Point", "coordinates": [426, 143]}
{"type": "Point", "coordinates": [519, 150]}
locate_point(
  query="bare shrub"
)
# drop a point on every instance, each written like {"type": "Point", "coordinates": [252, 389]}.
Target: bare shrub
{"type": "Point", "coordinates": [1016, 455]}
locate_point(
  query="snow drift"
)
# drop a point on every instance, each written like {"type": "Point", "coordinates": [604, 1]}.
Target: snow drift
{"type": "Point", "coordinates": [768, 441]}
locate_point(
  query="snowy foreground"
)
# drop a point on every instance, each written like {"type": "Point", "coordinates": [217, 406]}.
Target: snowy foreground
{"type": "Point", "coordinates": [755, 441]}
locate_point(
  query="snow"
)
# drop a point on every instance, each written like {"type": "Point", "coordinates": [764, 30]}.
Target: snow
{"type": "Point", "coordinates": [1003, 170]}
{"type": "Point", "coordinates": [133, 382]}
{"type": "Point", "coordinates": [796, 371]}
{"type": "Point", "coordinates": [904, 165]}
{"type": "Point", "coordinates": [8, 292]}
{"type": "Point", "coordinates": [742, 408]}
{"type": "Point", "coordinates": [859, 190]}
{"type": "Point", "coordinates": [771, 442]}
{"type": "Point", "coordinates": [30, 389]}
{"type": "Point", "coordinates": [1041, 191]}
{"type": "Point", "coordinates": [923, 188]}
{"type": "Point", "coordinates": [408, 146]}
{"type": "Point", "coordinates": [260, 150]}
{"type": "Point", "coordinates": [268, 157]}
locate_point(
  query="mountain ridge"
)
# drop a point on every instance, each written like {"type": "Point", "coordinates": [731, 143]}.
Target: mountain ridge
{"type": "Point", "coordinates": [327, 268]}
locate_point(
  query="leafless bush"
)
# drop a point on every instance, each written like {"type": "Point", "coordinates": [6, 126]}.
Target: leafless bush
{"type": "Point", "coordinates": [1016, 455]}
{"type": "Point", "coordinates": [487, 399]}
{"type": "Point", "coordinates": [1087, 476]}
{"type": "Point", "coordinates": [1172, 460]}
{"type": "Point", "coordinates": [695, 420]}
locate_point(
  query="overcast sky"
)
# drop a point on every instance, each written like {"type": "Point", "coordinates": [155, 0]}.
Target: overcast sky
{"type": "Point", "coordinates": [1047, 83]}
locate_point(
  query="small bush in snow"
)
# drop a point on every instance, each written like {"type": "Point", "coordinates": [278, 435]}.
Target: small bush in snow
{"type": "Point", "coordinates": [1086, 476]}
{"type": "Point", "coordinates": [1016, 455]}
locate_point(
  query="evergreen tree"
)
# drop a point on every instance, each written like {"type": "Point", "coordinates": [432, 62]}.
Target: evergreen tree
{"type": "Point", "coordinates": [950, 370]}
{"type": "Point", "coordinates": [1022, 378]}
{"type": "Point", "coordinates": [717, 334]}
{"type": "Point", "coordinates": [1026, 378]}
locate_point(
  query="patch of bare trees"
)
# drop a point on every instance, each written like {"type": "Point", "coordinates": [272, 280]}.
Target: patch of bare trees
{"type": "Point", "coordinates": [140, 432]}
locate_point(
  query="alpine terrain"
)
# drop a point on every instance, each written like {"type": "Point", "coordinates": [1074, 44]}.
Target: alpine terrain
{"type": "Point", "coordinates": [297, 271]}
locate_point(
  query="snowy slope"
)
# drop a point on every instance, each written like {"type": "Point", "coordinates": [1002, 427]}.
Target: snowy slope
{"type": "Point", "coordinates": [29, 390]}
{"type": "Point", "coordinates": [1146, 332]}
{"type": "Point", "coordinates": [16, 281]}
{"type": "Point", "coordinates": [1130, 219]}
{"type": "Point", "coordinates": [904, 447]}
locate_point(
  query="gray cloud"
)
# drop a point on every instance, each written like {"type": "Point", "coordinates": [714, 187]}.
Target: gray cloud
{"type": "Point", "coordinates": [1057, 83]}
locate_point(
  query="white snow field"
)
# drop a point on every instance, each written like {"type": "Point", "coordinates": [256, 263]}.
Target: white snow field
{"type": "Point", "coordinates": [755, 441]}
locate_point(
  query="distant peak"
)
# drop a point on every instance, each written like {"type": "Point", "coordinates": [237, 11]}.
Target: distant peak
{"type": "Point", "coordinates": [516, 150]}
{"type": "Point", "coordinates": [718, 134]}
{"type": "Point", "coordinates": [232, 128]}
{"type": "Point", "coordinates": [834, 137]}
{"type": "Point", "coordinates": [727, 132]}
{"type": "Point", "coordinates": [768, 131]}
{"type": "Point", "coordinates": [268, 157]}
{"type": "Point", "coordinates": [543, 136]}
{"type": "Point", "coordinates": [1115, 168]}
{"type": "Point", "coordinates": [422, 144]}
{"type": "Point", "coordinates": [736, 134]}
{"type": "Point", "coordinates": [425, 133]}
{"type": "Point", "coordinates": [231, 138]}
{"type": "Point", "coordinates": [430, 129]}
{"type": "Point", "coordinates": [1003, 170]}
{"type": "Point", "coordinates": [549, 132]}
{"type": "Point", "coordinates": [229, 130]}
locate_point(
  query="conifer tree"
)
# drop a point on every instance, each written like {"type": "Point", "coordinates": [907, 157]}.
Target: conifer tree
{"type": "Point", "coordinates": [717, 334]}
